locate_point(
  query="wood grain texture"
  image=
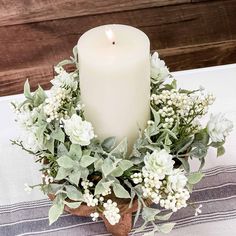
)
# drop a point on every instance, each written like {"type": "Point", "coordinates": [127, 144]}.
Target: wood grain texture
{"type": "Point", "coordinates": [24, 11]}
{"type": "Point", "coordinates": [176, 58]}
{"type": "Point", "coordinates": [35, 35]}
{"type": "Point", "coordinates": [38, 44]}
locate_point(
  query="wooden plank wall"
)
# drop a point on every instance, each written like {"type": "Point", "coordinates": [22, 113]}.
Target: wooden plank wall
{"type": "Point", "coordinates": [36, 34]}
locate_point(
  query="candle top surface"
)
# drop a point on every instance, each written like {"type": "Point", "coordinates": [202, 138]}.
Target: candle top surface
{"type": "Point", "coordinates": [113, 43]}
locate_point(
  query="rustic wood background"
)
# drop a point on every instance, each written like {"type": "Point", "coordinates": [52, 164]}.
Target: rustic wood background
{"type": "Point", "coordinates": [36, 34]}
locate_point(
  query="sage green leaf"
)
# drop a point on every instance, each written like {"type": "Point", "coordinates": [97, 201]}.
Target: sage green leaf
{"type": "Point", "coordinates": [39, 96]}
{"type": "Point", "coordinates": [117, 172]}
{"type": "Point", "coordinates": [220, 151]}
{"type": "Point", "coordinates": [62, 150]}
{"type": "Point", "coordinates": [148, 214]}
{"type": "Point", "coordinates": [107, 167]}
{"type": "Point", "coordinates": [102, 186]}
{"type": "Point", "coordinates": [108, 144]}
{"type": "Point", "coordinates": [75, 151]}
{"type": "Point", "coordinates": [125, 164]}
{"type": "Point", "coordinates": [54, 212]}
{"type": "Point", "coordinates": [185, 163]}
{"type": "Point", "coordinates": [49, 144]}
{"type": "Point", "coordinates": [121, 148]}
{"type": "Point", "coordinates": [87, 160]}
{"type": "Point", "coordinates": [156, 116]}
{"type": "Point", "coordinates": [58, 134]}
{"type": "Point", "coordinates": [166, 228]}
{"type": "Point", "coordinates": [195, 177]}
{"type": "Point", "coordinates": [164, 217]}
{"type": "Point", "coordinates": [73, 193]}
{"type": "Point", "coordinates": [120, 191]}
{"type": "Point", "coordinates": [73, 205]}
{"type": "Point", "coordinates": [74, 176]}
{"type": "Point", "coordinates": [27, 93]}
{"type": "Point", "coordinates": [84, 173]}
{"type": "Point", "coordinates": [184, 145]}
{"type": "Point", "coordinates": [98, 164]}
{"type": "Point", "coordinates": [65, 162]}
{"type": "Point", "coordinates": [202, 137]}
{"type": "Point", "coordinates": [62, 173]}
{"type": "Point", "coordinates": [200, 150]}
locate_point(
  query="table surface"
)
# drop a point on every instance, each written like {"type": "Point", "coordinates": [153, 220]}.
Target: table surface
{"type": "Point", "coordinates": [17, 168]}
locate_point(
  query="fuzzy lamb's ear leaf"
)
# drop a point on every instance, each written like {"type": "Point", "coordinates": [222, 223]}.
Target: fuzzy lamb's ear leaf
{"type": "Point", "coordinates": [121, 148]}
{"type": "Point", "coordinates": [73, 204]}
{"type": "Point", "coordinates": [58, 134]}
{"type": "Point", "coordinates": [108, 144]}
{"type": "Point", "coordinates": [62, 173]}
{"type": "Point", "coordinates": [87, 160]}
{"type": "Point", "coordinates": [73, 193]}
{"type": "Point", "coordinates": [27, 90]}
{"type": "Point", "coordinates": [55, 211]}
{"type": "Point", "coordinates": [120, 191]}
{"type": "Point", "coordinates": [148, 214]}
{"type": "Point", "coordinates": [156, 116]}
{"type": "Point", "coordinates": [166, 228]}
{"type": "Point", "coordinates": [65, 162]}
{"type": "Point", "coordinates": [195, 177]}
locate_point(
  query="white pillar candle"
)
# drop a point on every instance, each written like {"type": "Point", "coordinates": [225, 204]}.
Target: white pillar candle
{"type": "Point", "coordinates": [114, 64]}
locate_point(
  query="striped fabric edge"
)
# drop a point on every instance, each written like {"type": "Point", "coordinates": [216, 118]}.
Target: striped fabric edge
{"type": "Point", "coordinates": [202, 217]}
{"type": "Point", "coordinates": [209, 172]}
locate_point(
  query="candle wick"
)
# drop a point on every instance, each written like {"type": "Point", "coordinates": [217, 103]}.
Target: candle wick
{"type": "Point", "coordinates": [113, 43]}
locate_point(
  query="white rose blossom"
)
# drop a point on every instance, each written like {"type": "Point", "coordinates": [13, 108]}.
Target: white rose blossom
{"type": "Point", "coordinates": [159, 70]}
{"type": "Point", "coordinates": [159, 162]}
{"type": "Point", "coordinates": [79, 131]}
{"type": "Point", "coordinates": [177, 180]}
{"type": "Point", "coordinates": [64, 79]}
{"type": "Point", "coordinates": [219, 127]}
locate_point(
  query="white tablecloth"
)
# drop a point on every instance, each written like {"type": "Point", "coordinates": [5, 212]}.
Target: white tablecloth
{"type": "Point", "coordinates": [17, 167]}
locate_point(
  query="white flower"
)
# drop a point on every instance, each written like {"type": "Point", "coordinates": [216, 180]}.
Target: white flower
{"type": "Point", "coordinates": [159, 162]}
{"type": "Point", "coordinates": [159, 71]}
{"type": "Point", "coordinates": [30, 142]}
{"type": "Point", "coordinates": [111, 212]}
{"type": "Point", "coordinates": [177, 180]}
{"type": "Point", "coordinates": [64, 79]}
{"type": "Point", "coordinates": [219, 127]}
{"type": "Point", "coordinates": [27, 188]}
{"type": "Point", "coordinates": [79, 131]}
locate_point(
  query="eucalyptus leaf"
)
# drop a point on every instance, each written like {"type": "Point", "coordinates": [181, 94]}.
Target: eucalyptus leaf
{"type": "Point", "coordinates": [107, 167]}
{"type": "Point", "coordinates": [73, 205]}
{"type": "Point", "coordinates": [199, 150]}
{"type": "Point", "coordinates": [74, 176]}
{"type": "Point", "coordinates": [58, 134]}
{"type": "Point", "coordinates": [75, 151]}
{"type": "Point", "coordinates": [195, 177]}
{"type": "Point", "coordinates": [54, 212]}
{"type": "Point", "coordinates": [87, 160]}
{"type": "Point", "coordinates": [164, 217]}
{"type": "Point", "coordinates": [108, 144]}
{"type": "Point", "coordinates": [27, 93]}
{"type": "Point", "coordinates": [62, 173]}
{"type": "Point", "coordinates": [120, 191]}
{"type": "Point", "coordinates": [166, 228]}
{"type": "Point", "coordinates": [65, 162]}
{"type": "Point", "coordinates": [73, 193]}
{"type": "Point", "coordinates": [149, 214]}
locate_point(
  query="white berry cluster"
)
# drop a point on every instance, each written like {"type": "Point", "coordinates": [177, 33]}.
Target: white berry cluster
{"type": "Point", "coordinates": [94, 216]}
{"type": "Point", "coordinates": [88, 197]}
{"type": "Point", "coordinates": [161, 183]}
{"type": "Point", "coordinates": [173, 105]}
{"type": "Point", "coordinates": [47, 178]}
{"type": "Point", "coordinates": [111, 212]}
{"type": "Point", "coordinates": [53, 107]}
